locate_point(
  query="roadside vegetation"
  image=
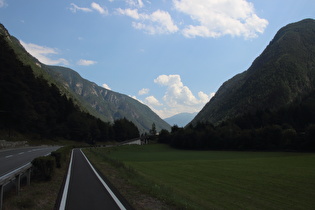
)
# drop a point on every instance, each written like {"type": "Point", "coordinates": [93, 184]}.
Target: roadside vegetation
{"type": "Point", "coordinates": [211, 179]}
{"type": "Point", "coordinates": [46, 180]}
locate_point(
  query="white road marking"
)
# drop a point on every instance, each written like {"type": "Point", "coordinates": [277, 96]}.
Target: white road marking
{"type": "Point", "coordinates": [8, 156]}
{"type": "Point", "coordinates": [65, 190]}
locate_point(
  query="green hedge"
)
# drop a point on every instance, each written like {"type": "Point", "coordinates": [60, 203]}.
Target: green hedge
{"type": "Point", "coordinates": [43, 168]}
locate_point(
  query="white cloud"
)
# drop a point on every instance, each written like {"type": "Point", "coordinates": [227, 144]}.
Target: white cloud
{"type": "Point", "coordinates": [106, 86]}
{"type": "Point", "coordinates": [133, 13]}
{"type": "Point", "coordinates": [152, 101]}
{"type": "Point", "coordinates": [158, 22]}
{"type": "Point", "coordinates": [135, 3]}
{"type": "Point", "coordinates": [217, 18]}
{"type": "Point", "coordinates": [98, 8]}
{"type": "Point", "coordinates": [76, 8]}
{"type": "Point", "coordinates": [83, 62]}
{"type": "Point", "coordinates": [3, 3]}
{"type": "Point", "coordinates": [140, 3]}
{"type": "Point", "coordinates": [94, 6]}
{"type": "Point", "coordinates": [42, 53]}
{"type": "Point", "coordinates": [179, 97]}
{"type": "Point", "coordinates": [143, 91]}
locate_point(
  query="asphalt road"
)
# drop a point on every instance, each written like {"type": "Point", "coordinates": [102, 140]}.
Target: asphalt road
{"type": "Point", "coordinates": [85, 190]}
{"type": "Point", "coordinates": [11, 159]}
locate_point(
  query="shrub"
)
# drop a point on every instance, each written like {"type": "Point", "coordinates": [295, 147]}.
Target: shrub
{"type": "Point", "coordinates": [57, 156]}
{"type": "Point", "coordinates": [43, 168]}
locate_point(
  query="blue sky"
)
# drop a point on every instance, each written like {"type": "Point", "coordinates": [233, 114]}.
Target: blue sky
{"type": "Point", "coordinates": [172, 55]}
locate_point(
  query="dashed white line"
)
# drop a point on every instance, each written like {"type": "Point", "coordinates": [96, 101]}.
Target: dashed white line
{"type": "Point", "coordinates": [8, 156]}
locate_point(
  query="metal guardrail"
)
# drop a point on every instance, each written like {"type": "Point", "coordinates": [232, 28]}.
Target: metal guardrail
{"type": "Point", "coordinates": [15, 175]}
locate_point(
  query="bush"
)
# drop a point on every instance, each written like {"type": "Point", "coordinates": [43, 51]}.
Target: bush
{"type": "Point", "coordinates": [43, 168]}
{"type": "Point", "coordinates": [57, 156]}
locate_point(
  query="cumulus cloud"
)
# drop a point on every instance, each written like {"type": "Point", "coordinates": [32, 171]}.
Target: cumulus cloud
{"type": "Point", "coordinates": [83, 62]}
{"type": "Point", "coordinates": [176, 92]}
{"type": "Point", "coordinates": [106, 86]}
{"type": "Point", "coordinates": [143, 91]}
{"type": "Point", "coordinates": [218, 18]}
{"type": "Point", "coordinates": [158, 22]}
{"type": "Point", "coordinates": [99, 9]}
{"type": "Point", "coordinates": [152, 101]}
{"type": "Point", "coordinates": [42, 53]}
{"type": "Point", "coordinates": [179, 97]}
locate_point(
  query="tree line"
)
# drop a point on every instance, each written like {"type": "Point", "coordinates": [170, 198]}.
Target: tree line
{"type": "Point", "coordinates": [29, 105]}
{"type": "Point", "coordinates": [291, 128]}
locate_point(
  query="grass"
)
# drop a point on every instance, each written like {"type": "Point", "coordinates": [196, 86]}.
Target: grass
{"type": "Point", "coordinates": [220, 180]}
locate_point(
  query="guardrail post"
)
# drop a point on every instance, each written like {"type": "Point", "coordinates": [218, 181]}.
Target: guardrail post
{"type": "Point", "coordinates": [28, 176]}
{"type": "Point", "coordinates": [18, 183]}
{"type": "Point", "coordinates": [1, 196]}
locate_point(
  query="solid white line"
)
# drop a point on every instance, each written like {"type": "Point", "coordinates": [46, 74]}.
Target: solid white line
{"type": "Point", "coordinates": [65, 190]}
{"type": "Point", "coordinates": [120, 205]}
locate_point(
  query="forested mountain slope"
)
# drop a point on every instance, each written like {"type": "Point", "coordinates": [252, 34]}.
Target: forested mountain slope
{"type": "Point", "coordinates": [31, 106]}
{"type": "Point", "coordinates": [283, 73]}
{"type": "Point", "coordinates": [97, 101]}
{"type": "Point", "coordinates": [106, 104]}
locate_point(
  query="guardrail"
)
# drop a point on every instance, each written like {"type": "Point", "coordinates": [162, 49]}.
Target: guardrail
{"type": "Point", "coordinates": [15, 175]}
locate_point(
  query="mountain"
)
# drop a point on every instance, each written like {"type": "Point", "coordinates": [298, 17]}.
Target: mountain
{"type": "Point", "coordinates": [97, 101]}
{"type": "Point", "coordinates": [34, 108]}
{"type": "Point", "coordinates": [282, 74]}
{"type": "Point", "coordinates": [106, 104]}
{"type": "Point", "coordinates": [181, 119]}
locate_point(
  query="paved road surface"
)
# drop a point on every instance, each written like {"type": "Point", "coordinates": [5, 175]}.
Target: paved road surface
{"type": "Point", "coordinates": [85, 189]}
{"type": "Point", "coordinates": [14, 158]}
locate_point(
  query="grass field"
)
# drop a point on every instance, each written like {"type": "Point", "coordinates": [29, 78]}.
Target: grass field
{"type": "Point", "coordinates": [224, 180]}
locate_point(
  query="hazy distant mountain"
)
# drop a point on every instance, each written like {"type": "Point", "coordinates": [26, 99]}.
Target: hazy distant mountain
{"type": "Point", "coordinates": [283, 73]}
{"type": "Point", "coordinates": [181, 119]}
{"type": "Point", "coordinates": [99, 102]}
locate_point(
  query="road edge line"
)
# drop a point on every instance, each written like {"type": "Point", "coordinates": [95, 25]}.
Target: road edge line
{"type": "Point", "coordinates": [119, 204]}
{"type": "Point", "coordinates": [66, 187]}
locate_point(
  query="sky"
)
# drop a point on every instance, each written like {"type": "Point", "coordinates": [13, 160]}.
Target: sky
{"type": "Point", "coordinates": [171, 55]}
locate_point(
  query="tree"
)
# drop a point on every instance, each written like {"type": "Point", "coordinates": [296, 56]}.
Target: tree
{"type": "Point", "coordinates": [153, 130]}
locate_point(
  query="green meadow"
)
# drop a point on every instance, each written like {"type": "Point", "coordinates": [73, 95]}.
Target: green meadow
{"type": "Point", "coordinates": [223, 179]}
